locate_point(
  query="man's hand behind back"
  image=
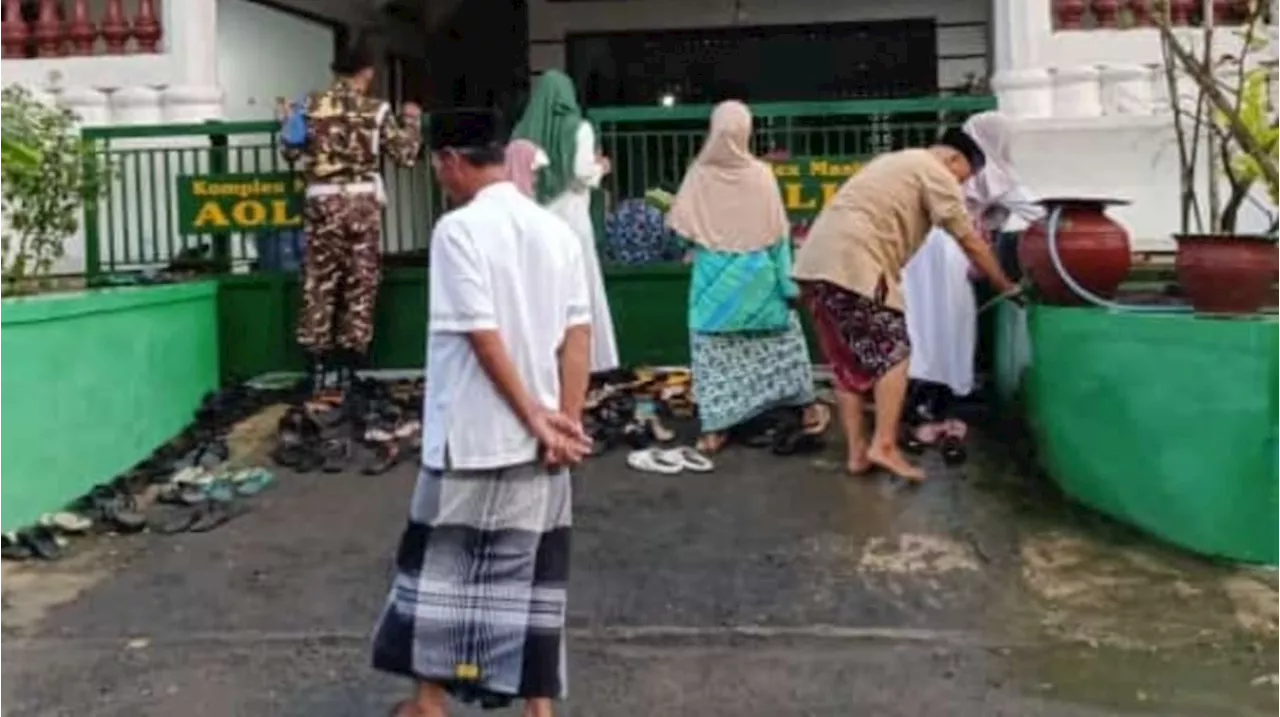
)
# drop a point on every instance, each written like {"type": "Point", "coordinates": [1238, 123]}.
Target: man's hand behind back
{"type": "Point", "coordinates": [564, 443]}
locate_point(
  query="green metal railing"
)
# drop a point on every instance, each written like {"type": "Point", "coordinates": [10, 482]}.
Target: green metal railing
{"type": "Point", "coordinates": [136, 226]}
{"type": "Point", "coordinates": [652, 146]}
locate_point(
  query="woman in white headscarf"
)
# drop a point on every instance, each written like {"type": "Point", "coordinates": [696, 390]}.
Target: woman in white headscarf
{"type": "Point", "coordinates": [942, 317]}
{"type": "Point", "coordinates": [748, 351]}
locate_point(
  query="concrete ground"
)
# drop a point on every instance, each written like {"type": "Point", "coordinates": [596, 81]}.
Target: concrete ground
{"type": "Point", "coordinates": [772, 587]}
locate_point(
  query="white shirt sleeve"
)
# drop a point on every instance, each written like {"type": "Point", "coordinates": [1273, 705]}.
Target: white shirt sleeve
{"type": "Point", "coordinates": [1021, 204]}
{"type": "Point", "coordinates": [579, 295]}
{"type": "Point", "coordinates": [585, 166]}
{"type": "Point", "coordinates": [460, 297]}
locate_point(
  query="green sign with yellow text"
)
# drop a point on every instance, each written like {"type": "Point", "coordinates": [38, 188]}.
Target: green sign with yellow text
{"type": "Point", "coordinates": [248, 202]}
{"type": "Point", "coordinates": [808, 183]}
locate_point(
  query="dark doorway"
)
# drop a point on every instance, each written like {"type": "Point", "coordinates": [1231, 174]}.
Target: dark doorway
{"type": "Point", "coordinates": [774, 63]}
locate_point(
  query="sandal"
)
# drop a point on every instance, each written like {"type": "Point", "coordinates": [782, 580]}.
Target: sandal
{"type": "Point", "coordinates": [386, 454]}
{"type": "Point", "coordinates": [105, 505]}
{"type": "Point", "coordinates": [215, 515]}
{"type": "Point", "coordinates": [953, 451]}
{"type": "Point", "coordinates": [252, 481]}
{"type": "Point", "coordinates": [658, 430]}
{"type": "Point", "coordinates": [637, 435]}
{"type": "Point", "coordinates": [172, 523]}
{"type": "Point", "coordinates": [654, 461]}
{"type": "Point", "coordinates": [690, 458]}
{"type": "Point", "coordinates": [13, 548]}
{"type": "Point", "coordinates": [791, 441]}
{"type": "Point", "coordinates": [41, 542]}
{"type": "Point", "coordinates": [335, 452]}
{"type": "Point", "coordinates": [66, 522]}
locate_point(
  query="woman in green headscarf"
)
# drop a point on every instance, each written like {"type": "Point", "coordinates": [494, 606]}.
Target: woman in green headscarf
{"type": "Point", "coordinates": [553, 121]}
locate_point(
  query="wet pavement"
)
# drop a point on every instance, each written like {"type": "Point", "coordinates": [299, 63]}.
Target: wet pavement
{"type": "Point", "coordinates": [775, 586]}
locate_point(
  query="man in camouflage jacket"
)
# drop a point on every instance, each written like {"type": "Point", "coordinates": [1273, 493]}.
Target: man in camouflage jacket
{"type": "Point", "coordinates": [348, 133]}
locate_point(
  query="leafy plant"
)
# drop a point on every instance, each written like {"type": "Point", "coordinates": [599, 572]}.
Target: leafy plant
{"type": "Point", "coordinates": [48, 173]}
{"type": "Point", "coordinates": [1230, 112]}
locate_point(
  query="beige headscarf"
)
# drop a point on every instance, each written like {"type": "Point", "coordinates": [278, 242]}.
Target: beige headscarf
{"type": "Point", "coordinates": [729, 200]}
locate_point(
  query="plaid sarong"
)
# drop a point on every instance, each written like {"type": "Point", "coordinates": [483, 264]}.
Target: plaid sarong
{"type": "Point", "coordinates": [478, 600]}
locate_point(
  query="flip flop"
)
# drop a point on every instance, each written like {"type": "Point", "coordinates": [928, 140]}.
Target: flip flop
{"type": "Point", "coordinates": [172, 523]}
{"type": "Point", "coordinates": [659, 431]}
{"type": "Point", "coordinates": [654, 461]}
{"type": "Point", "coordinates": [41, 541]}
{"type": "Point", "coordinates": [252, 481]}
{"type": "Point", "coordinates": [953, 451]}
{"type": "Point", "coordinates": [216, 515]}
{"type": "Point", "coordinates": [66, 522]}
{"type": "Point", "coordinates": [790, 440]}
{"type": "Point", "coordinates": [335, 453]}
{"type": "Point", "coordinates": [690, 458]}
{"type": "Point", "coordinates": [13, 548]}
{"type": "Point", "coordinates": [386, 455]}
{"type": "Point", "coordinates": [637, 435]}
{"type": "Point", "coordinates": [221, 491]}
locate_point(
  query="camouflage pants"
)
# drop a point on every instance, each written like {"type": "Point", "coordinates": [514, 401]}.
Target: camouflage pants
{"type": "Point", "coordinates": [342, 268]}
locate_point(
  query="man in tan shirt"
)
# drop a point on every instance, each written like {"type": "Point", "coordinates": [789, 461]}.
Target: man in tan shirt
{"type": "Point", "coordinates": [850, 272]}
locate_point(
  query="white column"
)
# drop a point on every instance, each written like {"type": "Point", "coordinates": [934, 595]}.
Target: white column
{"type": "Point", "coordinates": [1077, 91]}
{"type": "Point", "coordinates": [191, 27]}
{"type": "Point", "coordinates": [1022, 84]}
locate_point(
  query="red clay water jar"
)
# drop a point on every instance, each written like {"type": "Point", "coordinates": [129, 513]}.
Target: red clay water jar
{"type": "Point", "coordinates": [1227, 274]}
{"type": "Point", "coordinates": [1094, 250]}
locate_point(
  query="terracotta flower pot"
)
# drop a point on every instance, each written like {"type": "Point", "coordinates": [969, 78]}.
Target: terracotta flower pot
{"type": "Point", "coordinates": [1094, 250]}
{"type": "Point", "coordinates": [1227, 274]}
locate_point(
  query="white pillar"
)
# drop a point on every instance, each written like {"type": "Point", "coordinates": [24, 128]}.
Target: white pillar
{"type": "Point", "coordinates": [1023, 86]}
{"type": "Point", "coordinates": [1020, 28]}
{"type": "Point", "coordinates": [1024, 93]}
{"type": "Point", "coordinates": [1077, 92]}
{"type": "Point", "coordinates": [192, 29]}
{"type": "Point", "coordinates": [1127, 89]}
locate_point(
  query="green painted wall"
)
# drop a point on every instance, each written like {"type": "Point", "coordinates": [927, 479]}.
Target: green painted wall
{"type": "Point", "coordinates": [92, 382]}
{"type": "Point", "coordinates": [257, 314]}
{"type": "Point", "coordinates": [1166, 422]}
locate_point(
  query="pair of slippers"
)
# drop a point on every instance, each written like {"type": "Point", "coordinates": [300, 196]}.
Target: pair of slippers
{"type": "Point", "coordinates": [670, 461]}
{"type": "Point", "coordinates": [204, 502]}
{"type": "Point", "coordinates": [948, 437]}
{"type": "Point", "coordinates": [36, 542]}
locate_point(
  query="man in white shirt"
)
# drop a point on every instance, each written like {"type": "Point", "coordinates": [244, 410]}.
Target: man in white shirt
{"type": "Point", "coordinates": [478, 603]}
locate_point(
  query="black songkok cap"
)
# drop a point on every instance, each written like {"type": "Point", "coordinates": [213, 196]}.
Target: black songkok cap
{"type": "Point", "coordinates": [961, 142]}
{"type": "Point", "coordinates": [465, 129]}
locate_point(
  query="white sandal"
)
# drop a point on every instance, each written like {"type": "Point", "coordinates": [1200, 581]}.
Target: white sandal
{"type": "Point", "coordinates": [653, 460]}
{"type": "Point", "coordinates": [690, 458]}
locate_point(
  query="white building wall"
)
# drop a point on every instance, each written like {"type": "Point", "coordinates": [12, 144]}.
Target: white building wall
{"type": "Point", "coordinates": [264, 54]}
{"type": "Point", "coordinates": [962, 33]}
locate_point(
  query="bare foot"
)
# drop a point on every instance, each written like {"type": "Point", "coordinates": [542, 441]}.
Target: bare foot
{"type": "Point", "coordinates": [710, 443]}
{"type": "Point", "coordinates": [858, 463]}
{"type": "Point", "coordinates": [893, 461]}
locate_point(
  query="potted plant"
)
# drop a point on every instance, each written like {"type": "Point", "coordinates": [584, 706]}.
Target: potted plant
{"type": "Point", "coordinates": [1228, 117]}
{"type": "Point", "coordinates": [48, 173]}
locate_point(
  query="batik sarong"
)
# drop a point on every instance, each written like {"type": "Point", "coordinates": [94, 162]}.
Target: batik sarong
{"type": "Point", "coordinates": [478, 601]}
{"type": "Point", "coordinates": [862, 338]}
{"type": "Point", "coordinates": [739, 376]}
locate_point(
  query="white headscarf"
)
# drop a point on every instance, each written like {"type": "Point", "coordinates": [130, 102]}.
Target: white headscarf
{"type": "Point", "coordinates": [996, 191]}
